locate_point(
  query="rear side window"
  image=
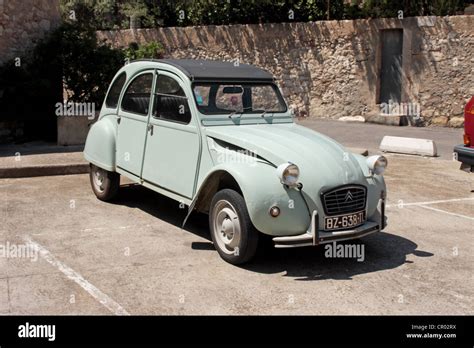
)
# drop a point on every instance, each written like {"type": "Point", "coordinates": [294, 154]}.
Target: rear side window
{"type": "Point", "coordinates": [171, 103]}
{"type": "Point", "coordinates": [201, 93]}
{"type": "Point", "coordinates": [114, 93]}
{"type": "Point", "coordinates": [167, 85]}
{"type": "Point", "coordinates": [137, 96]}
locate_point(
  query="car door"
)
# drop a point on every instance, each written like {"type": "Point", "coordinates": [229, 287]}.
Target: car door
{"type": "Point", "coordinates": [173, 142]}
{"type": "Point", "coordinates": [133, 119]}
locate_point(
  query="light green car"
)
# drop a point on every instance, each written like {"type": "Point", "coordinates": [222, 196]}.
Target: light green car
{"type": "Point", "coordinates": [219, 137]}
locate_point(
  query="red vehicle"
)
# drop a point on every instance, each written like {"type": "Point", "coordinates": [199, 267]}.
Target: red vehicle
{"type": "Point", "coordinates": [465, 152]}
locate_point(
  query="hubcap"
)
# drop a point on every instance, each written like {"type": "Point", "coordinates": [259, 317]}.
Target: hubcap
{"type": "Point", "coordinates": [98, 176]}
{"type": "Point", "coordinates": [226, 227]}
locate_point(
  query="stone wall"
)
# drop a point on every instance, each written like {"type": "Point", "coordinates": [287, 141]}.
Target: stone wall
{"type": "Point", "coordinates": [332, 68]}
{"type": "Point", "coordinates": [23, 22]}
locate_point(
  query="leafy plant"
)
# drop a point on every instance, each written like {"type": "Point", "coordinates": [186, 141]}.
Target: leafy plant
{"type": "Point", "coordinates": [409, 8]}
{"type": "Point", "coordinates": [151, 49]}
{"type": "Point", "coordinates": [88, 65]}
{"type": "Point", "coordinates": [101, 14]}
{"type": "Point", "coordinates": [108, 14]}
{"type": "Point", "coordinates": [134, 10]}
{"type": "Point", "coordinates": [71, 54]}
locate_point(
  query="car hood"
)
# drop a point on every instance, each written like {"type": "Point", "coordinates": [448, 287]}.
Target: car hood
{"type": "Point", "coordinates": [322, 161]}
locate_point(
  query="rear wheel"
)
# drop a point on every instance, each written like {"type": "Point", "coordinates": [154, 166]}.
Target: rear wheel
{"type": "Point", "coordinates": [105, 184]}
{"type": "Point", "coordinates": [232, 232]}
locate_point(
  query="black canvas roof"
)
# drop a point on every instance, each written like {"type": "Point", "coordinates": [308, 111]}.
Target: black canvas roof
{"type": "Point", "coordinates": [208, 70]}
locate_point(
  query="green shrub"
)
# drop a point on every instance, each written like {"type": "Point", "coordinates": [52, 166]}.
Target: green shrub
{"type": "Point", "coordinates": [148, 50]}
{"type": "Point", "coordinates": [69, 56]}
{"type": "Point", "coordinates": [110, 14]}
{"type": "Point", "coordinates": [30, 85]}
{"type": "Point", "coordinates": [88, 65]}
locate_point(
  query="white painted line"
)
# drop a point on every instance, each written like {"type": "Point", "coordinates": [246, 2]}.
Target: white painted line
{"type": "Point", "coordinates": [447, 212]}
{"type": "Point", "coordinates": [430, 202]}
{"type": "Point", "coordinates": [105, 300]}
{"type": "Point", "coordinates": [94, 229]}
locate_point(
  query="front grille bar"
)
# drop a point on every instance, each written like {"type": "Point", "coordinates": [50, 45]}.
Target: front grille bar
{"type": "Point", "coordinates": [344, 199]}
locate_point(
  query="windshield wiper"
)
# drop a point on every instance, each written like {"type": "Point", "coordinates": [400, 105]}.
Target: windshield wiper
{"type": "Point", "coordinates": [269, 111]}
{"type": "Point", "coordinates": [240, 112]}
{"type": "Point", "coordinates": [232, 114]}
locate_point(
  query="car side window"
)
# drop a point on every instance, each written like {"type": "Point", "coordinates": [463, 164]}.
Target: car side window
{"type": "Point", "coordinates": [137, 96]}
{"type": "Point", "coordinates": [113, 97]}
{"type": "Point", "coordinates": [171, 103]}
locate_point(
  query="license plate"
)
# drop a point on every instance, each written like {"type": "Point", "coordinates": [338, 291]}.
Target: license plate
{"type": "Point", "coordinates": [344, 221]}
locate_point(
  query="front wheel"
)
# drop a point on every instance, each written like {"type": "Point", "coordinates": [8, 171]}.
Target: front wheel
{"type": "Point", "coordinates": [105, 184]}
{"type": "Point", "coordinates": [232, 232]}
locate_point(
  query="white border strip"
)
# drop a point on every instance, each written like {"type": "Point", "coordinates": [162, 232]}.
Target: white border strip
{"type": "Point", "coordinates": [430, 202]}
{"type": "Point", "coordinates": [446, 212]}
{"type": "Point", "coordinates": [105, 300]}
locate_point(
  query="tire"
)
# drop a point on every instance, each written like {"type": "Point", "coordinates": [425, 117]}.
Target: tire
{"type": "Point", "coordinates": [105, 184]}
{"type": "Point", "coordinates": [232, 232]}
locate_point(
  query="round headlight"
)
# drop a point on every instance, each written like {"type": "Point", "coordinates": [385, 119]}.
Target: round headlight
{"type": "Point", "coordinates": [377, 164]}
{"type": "Point", "coordinates": [288, 173]}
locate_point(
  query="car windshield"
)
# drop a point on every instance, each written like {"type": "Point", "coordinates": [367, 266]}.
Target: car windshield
{"type": "Point", "coordinates": [230, 98]}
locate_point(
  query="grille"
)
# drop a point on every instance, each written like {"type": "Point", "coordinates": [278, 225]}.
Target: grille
{"type": "Point", "coordinates": [342, 200]}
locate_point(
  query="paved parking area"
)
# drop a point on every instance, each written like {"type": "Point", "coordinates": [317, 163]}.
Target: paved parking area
{"type": "Point", "coordinates": [132, 257]}
{"type": "Point", "coordinates": [369, 135]}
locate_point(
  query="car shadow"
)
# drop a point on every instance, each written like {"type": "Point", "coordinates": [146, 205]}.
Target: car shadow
{"type": "Point", "coordinates": [165, 209]}
{"type": "Point", "coordinates": [381, 251]}
{"type": "Point", "coordinates": [37, 148]}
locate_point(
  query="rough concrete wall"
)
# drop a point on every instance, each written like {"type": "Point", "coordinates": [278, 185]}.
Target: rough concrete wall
{"type": "Point", "coordinates": [331, 68]}
{"type": "Point", "coordinates": [23, 22]}
{"type": "Point", "coordinates": [443, 68]}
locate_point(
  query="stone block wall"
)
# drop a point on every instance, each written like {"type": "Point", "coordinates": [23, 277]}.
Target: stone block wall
{"type": "Point", "coordinates": [331, 68]}
{"type": "Point", "coordinates": [23, 22]}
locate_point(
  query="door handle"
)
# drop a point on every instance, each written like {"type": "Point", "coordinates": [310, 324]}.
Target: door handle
{"type": "Point", "coordinates": [150, 129]}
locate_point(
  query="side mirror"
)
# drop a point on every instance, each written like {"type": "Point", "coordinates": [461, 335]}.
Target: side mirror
{"type": "Point", "coordinates": [292, 111]}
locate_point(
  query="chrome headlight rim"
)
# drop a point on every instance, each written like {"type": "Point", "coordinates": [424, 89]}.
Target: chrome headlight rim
{"type": "Point", "coordinates": [288, 173]}
{"type": "Point", "coordinates": [377, 164]}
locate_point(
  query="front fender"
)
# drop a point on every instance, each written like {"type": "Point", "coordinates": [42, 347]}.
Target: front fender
{"type": "Point", "coordinates": [100, 143]}
{"type": "Point", "coordinates": [261, 190]}
{"type": "Point", "coordinates": [375, 185]}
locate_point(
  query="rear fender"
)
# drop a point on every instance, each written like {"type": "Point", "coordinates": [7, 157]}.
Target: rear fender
{"type": "Point", "coordinates": [100, 143]}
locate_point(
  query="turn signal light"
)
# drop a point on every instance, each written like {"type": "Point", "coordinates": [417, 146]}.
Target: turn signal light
{"type": "Point", "coordinates": [274, 211]}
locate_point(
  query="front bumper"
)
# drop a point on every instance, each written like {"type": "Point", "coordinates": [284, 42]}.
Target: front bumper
{"type": "Point", "coordinates": [465, 154]}
{"type": "Point", "coordinates": [314, 237]}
